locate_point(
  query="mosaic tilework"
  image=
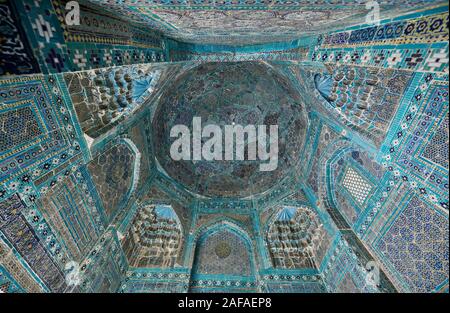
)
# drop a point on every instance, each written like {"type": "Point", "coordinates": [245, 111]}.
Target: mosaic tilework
{"type": "Point", "coordinates": [16, 56]}
{"type": "Point", "coordinates": [358, 187]}
{"type": "Point", "coordinates": [437, 147]}
{"type": "Point", "coordinates": [105, 98]}
{"type": "Point", "coordinates": [292, 238]}
{"type": "Point", "coordinates": [113, 173]}
{"type": "Point", "coordinates": [416, 243]}
{"type": "Point", "coordinates": [104, 266]}
{"type": "Point", "coordinates": [247, 86]}
{"type": "Point", "coordinates": [344, 273]}
{"type": "Point", "coordinates": [160, 194]}
{"type": "Point", "coordinates": [359, 162]}
{"type": "Point", "coordinates": [78, 152]}
{"type": "Point", "coordinates": [222, 252]}
{"type": "Point", "coordinates": [206, 218]}
{"type": "Point", "coordinates": [18, 127]}
{"type": "Point", "coordinates": [102, 38]}
{"type": "Point", "coordinates": [12, 267]}
{"type": "Point", "coordinates": [377, 171]}
{"type": "Point", "coordinates": [414, 30]}
{"type": "Point", "coordinates": [297, 197]}
{"type": "Point", "coordinates": [223, 259]}
{"type": "Point", "coordinates": [418, 43]}
{"type": "Point", "coordinates": [366, 99]}
{"type": "Point", "coordinates": [186, 54]}
{"type": "Point", "coordinates": [347, 207]}
{"type": "Point", "coordinates": [326, 137]}
{"type": "Point", "coordinates": [232, 285]}
{"type": "Point", "coordinates": [337, 154]}
{"type": "Point", "coordinates": [145, 280]}
{"type": "Point", "coordinates": [7, 283]}
{"type": "Point", "coordinates": [99, 25]}
{"type": "Point", "coordinates": [410, 173]}
{"type": "Point", "coordinates": [49, 142]}
{"type": "Point", "coordinates": [71, 210]}
{"type": "Point", "coordinates": [45, 35]}
{"type": "Point", "coordinates": [366, 258]}
{"type": "Point", "coordinates": [21, 235]}
{"type": "Point", "coordinates": [274, 195]}
{"type": "Point", "coordinates": [154, 238]}
{"type": "Point", "coordinates": [314, 246]}
{"type": "Point", "coordinates": [228, 22]}
{"type": "Point", "coordinates": [407, 154]}
{"type": "Point", "coordinates": [289, 282]}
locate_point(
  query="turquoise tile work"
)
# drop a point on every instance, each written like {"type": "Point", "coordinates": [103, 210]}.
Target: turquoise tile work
{"type": "Point", "coordinates": [92, 200]}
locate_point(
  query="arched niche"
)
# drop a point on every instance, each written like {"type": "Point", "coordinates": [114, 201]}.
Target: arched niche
{"type": "Point", "coordinates": [353, 176]}
{"type": "Point", "coordinates": [223, 258]}
{"type": "Point", "coordinates": [115, 173]}
{"type": "Point", "coordinates": [293, 236]}
{"type": "Point", "coordinates": [154, 238]}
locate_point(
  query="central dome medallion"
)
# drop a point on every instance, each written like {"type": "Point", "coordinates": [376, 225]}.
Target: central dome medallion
{"type": "Point", "coordinates": [242, 93]}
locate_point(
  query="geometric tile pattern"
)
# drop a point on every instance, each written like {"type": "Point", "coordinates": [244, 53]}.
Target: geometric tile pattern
{"type": "Point", "coordinates": [417, 244]}
{"type": "Point", "coordinates": [187, 53]}
{"type": "Point", "coordinates": [104, 265]}
{"type": "Point", "coordinates": [241, 22]}
{"type": "Point", "coordinates": [420, 143]}
{"type": "Point", "coordinates": [113, 175]}
{"type": "Point", "coordinates": [47, 141]}
{"type": "Point", "coordinates": [355, 162]}
{"type": "Point", "coordinates": [71, 210]}
{"type": "Point", "coordinates": [147, 280]}
{"type": "Point", "coordinates": [325, 138]}
{"type": "Point", "coordinates": [21, 235]}
{"type": "Point", "coordinates": [13, 268]}
{"type": "Point", "coordinates": [18, 127]}
{"type": "Point", "coordinates": [104, 97]}
{"type": "Point", "coordinates": [356, 185]}
{"type": "Point", "coordinates": [437, 148]}
{"type": "Point", "coordinates": [7, 283]}
{"type": "Point", "coordinates": [102, 39]}
{"type": "Point", "coordinates": [256, 95]}
{"type": "Point", "coordinates": [395, 44]}
{"type": "Point", "coordinates": [344, 271]}
{"type": "Point", "coordinates": [366, 99]}
{"type": "Point", "coordinates": [290, 283]}
{"type": "Point", "coordinates": [222, 252]}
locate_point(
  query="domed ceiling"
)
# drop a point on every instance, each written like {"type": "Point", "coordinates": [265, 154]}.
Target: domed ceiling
{"type": "Point", "coordinates": [245, 93]}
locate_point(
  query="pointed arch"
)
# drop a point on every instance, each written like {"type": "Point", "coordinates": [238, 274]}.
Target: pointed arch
{"type": "Point", "coordinates": [155, 237]}
{"type": "Point", "coordinates": [292, 236]}
{"type": "Point", "coordinates": [223, 256]}
{"type": "Point", "coordinates": [356, 168]}
{"type": "Point", "coordinates": [115, 172]}
{"type": "Point", "coordinates": [223, 248]}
